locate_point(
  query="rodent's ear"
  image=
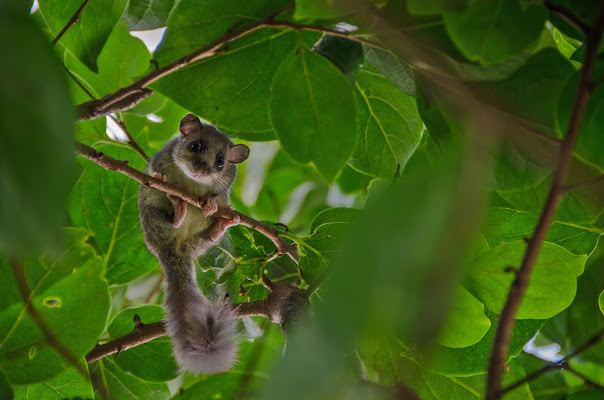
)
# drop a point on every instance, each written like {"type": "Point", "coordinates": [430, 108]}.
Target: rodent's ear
{"type": "Point", "coordinates": [238, 153]}
{"type": "Point", "coordinates": [189, 124]}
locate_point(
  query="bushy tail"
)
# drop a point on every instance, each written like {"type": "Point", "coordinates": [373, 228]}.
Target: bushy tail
{"type": "Point", "coordinates": [204, 334]}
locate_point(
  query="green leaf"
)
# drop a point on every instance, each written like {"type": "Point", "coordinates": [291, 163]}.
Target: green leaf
{"type": "Point", "coordinates": [36, 117]}
{"type": "Point", "coordinates": [532, 91]}
{"type": "Point", "coordinates": [232, 89]}
{"type": "Point", "coordinates": [466, 322]}
{"type": "Point", "coordinates": [493, 31]}
{"type": "Point", "coordinates": [122, 59]}
{"type": "Point", "coordinates": [335, 214]}
{"type": "Point", "coordinates": [590, 138]}
{"type": "Point", "coordinates": [147, 14]}
{"type": "Point", "coordinates": [474, 359]}
{"type": "Point", "coordinates": [318, 9]}
{"type": "Point", "coordinates": [105, 203]}
{"type": "Point", "coordinates": [319, 248]}
{"type": "Point", "coordinates": [344, 53]}
{"type": "Point", "coordinates": [59, 287]}
{"type": "Point", "coordinates": [601, 301]}
{"type": "Point", "coordinates": [504, 225]}
{"type": "Point", "coordinates": [389, 65]}
{"type": "Point", "coordinates": [69, 384]}
{"type": "Point", "coordinates": [488, 279]}
{"type": "Point", "coordinates": [389, 126]}
{"type": "Point", "coordinates": [117, 385]}
{"type": "Point", "coordinates": [152, 361]}
{"type": "Point", "coordinates": [299, 100]}
{"type": "Point", "coordinates": [86, 37]}
{"type": "Point", "coordinates": [215, 16]}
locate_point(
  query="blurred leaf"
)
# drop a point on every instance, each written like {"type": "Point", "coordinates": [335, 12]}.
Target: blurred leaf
{"type": "Point", "coordinates": [86, 37]}
{"type": "Point", "coordinates": [344, 53]}
{"type": "Point", "coordinates": [36, 120]}
{"type": "Point", "coordinates": [466, 323]}
{"type": "Point", "coordinates": [147, 14]}
{"type": "Point", "coordinates": [59, 287]}
{"type": "Point", "coordinates": [109, 380]}
{"type": "Point", "coordinates": [298, 100]}
{"type": "Point", "coordinates": [389, 65]}
{"type": "Point", "coordinates": [318, 9]}
{"type": "Point", "coordinates": [105, 203]}
{"type": "Point", "coordinates": [389, 126]}
{"type": "Point", "coordinates": [601, 301]}
{"type": "Point", "coordinates": [491, 33]}
{"type": "Point", "coordinates": [69, 384]}
{"type": "Point", "coordinates": [504, 225]}
{"type": "Point", "coordinates": [489, 280]}
{"type": "Point", "coordinates": [436, 6]}
{"type": "Point", "coordinates": [151, 361]}
{"type": "Point", "coordinates": [351, 181]}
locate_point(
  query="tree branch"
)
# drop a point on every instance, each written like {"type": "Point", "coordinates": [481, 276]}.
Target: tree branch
{"type": "Point", "coordinates": [129, 96]}
{"type": "Point", "coordinates": [505, 323]}
{"type": "Point", "coordinates": [562, 364]}
{"type": "Point", "coordinates": [71, 22]}
{"type": "Point", "coordinates": [131, 142]}
{"type": "Point", "coordinates": [112, 164]}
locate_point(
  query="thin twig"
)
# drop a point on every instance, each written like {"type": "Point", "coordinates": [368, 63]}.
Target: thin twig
{"type": "Point", "coordinates": [568, 16]}
{"type": "Point", "coordinates": [71, 22]}
{"type": "Point", "coordinates": [131, 142]}
{"type": "Point", "coordinates": [505, 323]}
{"type": "Point", "coordinates": [112, 164]}
{"type": "Point", "coordinates": [52, 340]}
{"type": "Point", "coordinates": [562, 364]}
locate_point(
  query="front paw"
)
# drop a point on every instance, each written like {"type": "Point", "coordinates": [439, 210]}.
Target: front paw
{"type": "Point", "coordinates": [210, 207]}
{"type": "Point", "coordinates": [221, 225]}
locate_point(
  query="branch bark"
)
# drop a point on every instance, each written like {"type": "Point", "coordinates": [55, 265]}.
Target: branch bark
{"type": "Point", "coordinates": [505, 324]}
{"type": "Point", "coordinates": [71, 22]}
{"type": "Point", "coordinates": [112, 164]}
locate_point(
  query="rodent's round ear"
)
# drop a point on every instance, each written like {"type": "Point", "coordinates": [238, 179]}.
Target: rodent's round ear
{"type": "Point", "coordinates": [238, 153]}
{"type": "Point", "coordinates": [189, 124]}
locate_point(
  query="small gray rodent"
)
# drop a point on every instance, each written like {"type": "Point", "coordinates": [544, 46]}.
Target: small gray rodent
{"type": "Point", "coordinates": [202, 161]}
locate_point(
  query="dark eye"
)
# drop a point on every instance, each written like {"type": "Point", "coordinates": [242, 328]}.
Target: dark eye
{"type": "Point", "coordinates": [195, 147]}
{"type": "Point", "coordinates": [219, 162]}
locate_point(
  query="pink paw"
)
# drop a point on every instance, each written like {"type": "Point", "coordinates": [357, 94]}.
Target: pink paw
{"type": "Point", "coordinates": [221, 225]}
{"type": "Point", "coordinates": [210, 207]}
{"type": "Point", "coordinates": [160, 176]}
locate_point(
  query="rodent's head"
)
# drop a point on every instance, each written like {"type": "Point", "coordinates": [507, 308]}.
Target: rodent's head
{"type": "Point", "coordinates": [207, 155]}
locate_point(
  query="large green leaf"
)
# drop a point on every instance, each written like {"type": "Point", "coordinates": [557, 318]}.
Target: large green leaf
{"type": "Point", "coordinates": [389, 65]}
{"type": "Point", "coordinates": [86, 37]}
{"type": "Point", "coordinates": [215, 16]}
{"type": "Point", "coordinates": [552, 283]}
{"type": "Point", "coordinates": [151, 361]}
{"type": "Point", "coordinates": [36, 161]}
{"type": "Point", "coordinates": [110, 382]}
{"type": "Point", "coordinates": [493, 31]}
{"type": "Point", "coordinates": [232, 89]}
{"type": "Point", "coordinates": [312, 110]}
{"type": "Point", "coordinates": [69, 384]}
{"type": "Point", "coordinates": [59, 286]}
{"type": "Point", "coordinates": [466, 322]}
{"type": "Point", "coordinates": [504, 225]}
{"type": "Point", "coordinates": [105, 203]}
{"type": "Point", "coordinates": [389, 126]}
{"type": "Point", "coordinates": [474, 359]}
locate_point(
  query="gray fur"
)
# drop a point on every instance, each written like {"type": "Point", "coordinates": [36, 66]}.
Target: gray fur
{"type": "Point", "coordinates": [203, 333]}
